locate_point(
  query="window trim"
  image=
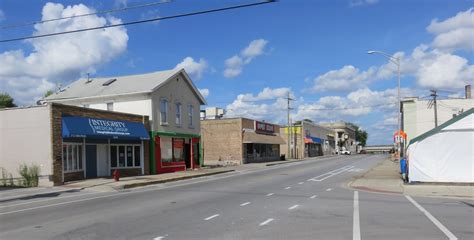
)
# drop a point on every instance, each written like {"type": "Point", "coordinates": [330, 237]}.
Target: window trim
{"type": "Point", "coordinates": [190, 116]}
{"type": "Point", "coordinates": [178, 115]}
{"type": "Point", "coordinates": [77, 160]}
{"type": "Point", "coordinates": [166, 111]}
{"type": "Point", "coordinates": [133, 156]}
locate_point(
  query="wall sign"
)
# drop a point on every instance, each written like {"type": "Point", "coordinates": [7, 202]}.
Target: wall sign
{"type": "Point", "coordinates": [110, 127]}
{"type": "Point", "coordinates": [262, 127]}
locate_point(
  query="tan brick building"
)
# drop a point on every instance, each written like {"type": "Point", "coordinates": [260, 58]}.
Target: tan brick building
{"type": "Point", "coordinates": [235, 141]}
{"type": "Point", "coordinates": [72, 143]}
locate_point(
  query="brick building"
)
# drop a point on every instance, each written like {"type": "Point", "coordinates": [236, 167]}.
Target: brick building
{"type": "Point", "coordinates": [72, 143]}
{"type": "Point", "coordinates": [239, 140]}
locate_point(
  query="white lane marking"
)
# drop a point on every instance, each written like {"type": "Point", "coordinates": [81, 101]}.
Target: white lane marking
{"type": "Point", "coordinates": [287, 188]}
{"type": "Point", "coordinates": [355, 218]}
{"type": "Point", "coordinates": [268, 195]}
{"type": "Point", "coordinates": [448, 233]}
{"type": "Point", "coordinates": [211, 217]}
{"type": "Point", "coordinates": [313, 197]}
{"type": "Point", "coordinates": [49, 199]}
{"type": "Point", "coordinates": [245, 203]}
{"type": "Point", "coordinates": [293, 207]}
{"type": "Point", "coordinates": [266, 222]}
{"type": "Point", "coordinates": [329, 189]}
{"type": "Point", "coordinates": [160, 237]}
{"type": "Point", "coordinates": [332, 173]}
{"type": "Point", "coordinates": [300, 182]}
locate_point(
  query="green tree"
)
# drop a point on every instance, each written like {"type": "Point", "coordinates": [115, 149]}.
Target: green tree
{"type": "Point", "coordinates": [361, 135]}
{"type": "Point", "coordinates": [6, 101]}
{"type": "Point", "coordinates": [48, 93]}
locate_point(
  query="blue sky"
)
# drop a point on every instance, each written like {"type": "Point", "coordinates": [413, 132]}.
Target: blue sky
{"type": "Point", "coordinates": [246, 60]}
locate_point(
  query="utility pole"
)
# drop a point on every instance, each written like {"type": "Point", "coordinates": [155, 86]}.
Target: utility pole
{"type": "Point", "coordinates": [434, 95]}
{"type": "Point", "coordinates": [289, 123]}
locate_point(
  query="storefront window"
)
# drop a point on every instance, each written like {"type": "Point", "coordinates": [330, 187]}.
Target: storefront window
{"type": "Point", "coordinates": [126, 156]}
{"type": "Point", "coordinates": [166, 149]}
{"type": "Point", "coordinates": [129, 156]}
{"type": "Point", "coordinates": [72, 157]}
{"type": "Point", "coordinates": [178, 149]}
{"type": "Point", "coordinates": [137, 157]}
{"type": "Point", "coordinates": [121, 157]}
{"type": "Point", "coordinates": [113, 156]}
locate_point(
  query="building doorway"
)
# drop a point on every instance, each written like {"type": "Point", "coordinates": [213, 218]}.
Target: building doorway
{"type": "Point", "coordinates": [187, 155]}
{"type": "Point", "coordinates": [91, 161]}
{"type": "Point", "coordinates": [102, 161]}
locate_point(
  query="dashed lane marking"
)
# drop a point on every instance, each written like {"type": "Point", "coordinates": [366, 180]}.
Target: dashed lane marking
{"type": "Point", "coordinates": [293, 207]}
{"type": "Point", "coordinates": [270, 194]}
{"type": "Point", "coordinates": [266, 222]}
{"type": "Point", "coordinates": [245, 203]}
{"type": "Point", "coordinates": [329, 189]}
{"type": "Point", "coordinates": [211, 217]}
{"type": "Point", "coordinates": [287, 188]}
{"type": "Point", "coordinates": [313, 197]}
{"type": "Point", "coordinates": [355, 218]}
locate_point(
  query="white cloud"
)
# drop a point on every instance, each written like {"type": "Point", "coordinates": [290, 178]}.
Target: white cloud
{"type": "Point", "coordinates": [234, 65]}
{"type": "Point", "coordinates": [60, 59]}
{"type": "Point", "coordinates": [254, 49]}
{"type": "Point", "coordinates": [356, 3]}
{"type": "Point", "coordinates": [193, 68]}
{"type": "Point", "coordinates": [345, 78]}
{"type": "Point", "coordinates": [455, 33]}
{"type": "Point", "coordinates": [2, 15]}
{"type": "Point", "coordinates": [271, 109]}
{"type": "Point", "coordinates": [204, 92]}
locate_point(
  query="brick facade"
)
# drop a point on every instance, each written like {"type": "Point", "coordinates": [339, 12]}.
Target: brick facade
{"type": "Point", "coordinates": [59, 110]}
{"type": "Point", "coordinates": [222, 141]}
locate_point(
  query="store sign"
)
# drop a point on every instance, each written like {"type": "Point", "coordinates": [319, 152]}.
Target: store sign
{"type": "Point", "coordinates": [109, 127]}
{"type": "Point", "coordinates": [262, 127]}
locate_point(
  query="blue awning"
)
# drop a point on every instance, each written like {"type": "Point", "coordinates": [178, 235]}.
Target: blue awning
{"type": "Point", "coordinates": [103, 129]}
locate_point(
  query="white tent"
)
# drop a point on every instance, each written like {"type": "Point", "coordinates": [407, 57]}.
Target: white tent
{"type": "Point", "coordinates": [445, 153]}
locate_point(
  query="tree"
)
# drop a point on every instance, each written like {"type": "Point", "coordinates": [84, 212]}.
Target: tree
{"type": "Point", "coordinates": [48, 93]}
{"type": "Point", "coordinates": [361, 135]}
{"type": "Point", "coordinates": [6, 101]}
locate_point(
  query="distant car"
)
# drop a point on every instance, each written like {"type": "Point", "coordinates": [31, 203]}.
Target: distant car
{"type": "Point", "coordinates": [345, 152]}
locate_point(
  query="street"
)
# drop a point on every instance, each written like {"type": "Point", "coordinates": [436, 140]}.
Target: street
{"type": "Point", "coordinates": [301, 200]}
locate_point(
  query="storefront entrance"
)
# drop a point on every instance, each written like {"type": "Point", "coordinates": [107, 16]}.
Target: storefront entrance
{"type": "Point", "coordinates": [91, 161]}
{"type": "Point", "coordinates": [102, 161]}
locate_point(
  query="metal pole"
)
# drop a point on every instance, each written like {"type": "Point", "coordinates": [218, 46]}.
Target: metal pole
{"type": "Point", "coordinates": [398, 112]}
{"type": "Point", "coordinates": [288, 128]}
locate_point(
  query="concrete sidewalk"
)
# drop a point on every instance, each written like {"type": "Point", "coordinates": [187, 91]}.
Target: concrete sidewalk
{"type": "Point", "coordinates": [385, 178]}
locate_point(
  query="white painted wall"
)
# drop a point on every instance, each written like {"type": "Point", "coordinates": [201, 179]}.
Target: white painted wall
{"type": "Point", "coordinates": [140, 107]}
{"type": "Point", "coordinates": [25, 137]}
{"type": "Point", "coordinates": [418, 118]}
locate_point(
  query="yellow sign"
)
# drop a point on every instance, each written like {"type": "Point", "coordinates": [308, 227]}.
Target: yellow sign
{"type": "Point", "coordinates": [296, 130]}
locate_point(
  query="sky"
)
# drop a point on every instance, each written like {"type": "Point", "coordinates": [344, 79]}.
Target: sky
{"type": "Point", "coordinates": [248, 60]}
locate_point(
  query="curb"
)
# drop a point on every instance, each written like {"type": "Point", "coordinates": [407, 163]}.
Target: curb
{"type": "Point", "coordinates": [299, 160]}
{"type": "Point", "coordinates": [36, 195]}
{"type": "Point", "coordinates": [134, 185]}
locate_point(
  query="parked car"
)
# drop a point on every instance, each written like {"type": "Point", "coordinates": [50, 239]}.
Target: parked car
{"type": "Point", "coordinates": [345, 152]}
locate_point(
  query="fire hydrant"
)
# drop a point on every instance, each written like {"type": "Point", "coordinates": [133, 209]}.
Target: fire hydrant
{"type": "Point", "coordinates": [116, 175]}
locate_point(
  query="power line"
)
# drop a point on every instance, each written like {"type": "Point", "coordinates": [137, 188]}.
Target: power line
{"type": "Point", "coordinates": [87, 14]}
{"type": "Point", "coordinates": [140, 21]}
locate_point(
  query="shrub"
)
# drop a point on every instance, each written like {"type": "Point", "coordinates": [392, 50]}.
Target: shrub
{"type": "Point", "coordinates": [30, 175]}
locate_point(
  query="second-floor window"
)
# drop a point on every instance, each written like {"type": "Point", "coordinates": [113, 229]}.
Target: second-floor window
{"type": "Point", "coordinates": [178, 113]}
{"type": "Point", "coordinates": [190, 114]}
{"type": "Point", "coordinates": [164, 111]}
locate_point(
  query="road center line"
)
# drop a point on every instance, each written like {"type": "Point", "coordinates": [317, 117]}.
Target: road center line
{"type": "Point", "coordinates": [448, 233]}
{"type": "Point", "coordinates": [312, 197]}
{"type": "Point", "coordinates": [287, 188]}
{"type": "Point", "coordinates": [159, 238]}
{"type": "Point", "coordinates": [355, 218]}
{"type": "Point", "coordinates": [300, 182]}
{"type": "Point", "coordinates": [266, 222]}
{"type": "Point", "coordinates": [268, 195]}
{"type": "Point", "coordinates": [211, 217]}
{"type": "Point", "coordinates": [329, 189]}
{"type": "Point", "coordinates": [245, 203]}
{"type": "Point", "coordinates": [293, 207]}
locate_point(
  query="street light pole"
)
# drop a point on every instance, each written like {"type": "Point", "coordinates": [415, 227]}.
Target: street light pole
{"type": "Point", "coordinates": [396, 61]}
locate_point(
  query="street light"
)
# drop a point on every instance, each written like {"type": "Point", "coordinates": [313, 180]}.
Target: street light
{"type": "Point", "coordinates": [396, 61]}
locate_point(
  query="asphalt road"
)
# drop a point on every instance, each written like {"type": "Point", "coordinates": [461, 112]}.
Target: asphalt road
{"type": "Point", "coordinates": [302, 200]}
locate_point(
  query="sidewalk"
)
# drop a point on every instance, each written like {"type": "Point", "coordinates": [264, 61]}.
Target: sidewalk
{"type": "Point", "coordinates": [385, 178]}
